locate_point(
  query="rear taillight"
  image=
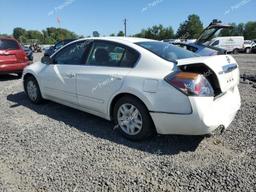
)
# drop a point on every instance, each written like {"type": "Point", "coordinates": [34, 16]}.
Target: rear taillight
{"type": "Point", "coordinates": [191, 84]}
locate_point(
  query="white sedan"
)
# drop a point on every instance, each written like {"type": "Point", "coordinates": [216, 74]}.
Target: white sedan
{"type": "Point", "coordinates": [144, 86]}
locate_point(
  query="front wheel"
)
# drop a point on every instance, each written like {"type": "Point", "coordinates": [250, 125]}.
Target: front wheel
{"type": "Point", "coordinates": [133, 119]}
{"type": "Point", "coordinates": [247, 50]}
{"type": "Point", "coordinates": [32, 90]}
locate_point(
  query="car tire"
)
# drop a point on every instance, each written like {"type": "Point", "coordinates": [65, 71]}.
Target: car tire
{"type": "Point", "coordinates": [235, 51]}
{"type": "Point", "coordinates": [248, 50]}
{"type": "Point", "coordinates": [133, 119]}
{"type": "Point", "coordinates": [32, 90]}
{"type": "Point", "coordinates": [19, 75]}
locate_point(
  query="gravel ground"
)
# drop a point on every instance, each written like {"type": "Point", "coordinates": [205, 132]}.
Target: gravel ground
{"type": "Point", "coordinates": [54, 148]}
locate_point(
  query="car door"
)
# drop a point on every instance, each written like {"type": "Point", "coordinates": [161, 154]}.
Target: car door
{"type": "Point", "coordinates": [107, 65]}
{"type": "Point", "coordinates": [59, 78]}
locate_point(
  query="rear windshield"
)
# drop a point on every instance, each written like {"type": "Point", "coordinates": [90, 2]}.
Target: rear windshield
{"type": "Point", "coordinates": [8, 44]}
{"type": "Point", "coordinates": [167, 51]}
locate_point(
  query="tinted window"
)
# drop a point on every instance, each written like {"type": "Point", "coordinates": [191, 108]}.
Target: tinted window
{"type": "Point", "coordinates": [72, 54]}
{"type": "Point", "coordinates": [191, 48]}
{"type": "Point", "coordinates": [8, 44]}
{"type": "Point", "coordinates": [188, 47]}
{"type": "Point", "coordinates": [167, 51]}
{"type": "Point", "coordinates": [59, 45]}
{"type": "Point", "coordinates": [112, 55]}
{"type": "Point", "coordinates": [216, 43]}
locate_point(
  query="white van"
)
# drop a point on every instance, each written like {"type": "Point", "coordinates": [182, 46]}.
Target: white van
{"type": "Point", "coordinates": [232, 44]}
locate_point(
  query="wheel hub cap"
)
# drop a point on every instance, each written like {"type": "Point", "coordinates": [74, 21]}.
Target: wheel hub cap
{"type": "Point", "coordinates": [32, 90]}
{"type": "Point", "coordinates": [129, 119]}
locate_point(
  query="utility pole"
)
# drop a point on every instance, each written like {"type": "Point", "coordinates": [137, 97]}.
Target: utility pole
{"type": "Point", "coordinates": [125, 27]}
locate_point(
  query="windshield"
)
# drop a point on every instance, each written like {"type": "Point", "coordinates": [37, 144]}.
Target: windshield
{"type": "Point", "coordinates": [205, 37]}
{"type": "Point", "coordinates": [167, 51]}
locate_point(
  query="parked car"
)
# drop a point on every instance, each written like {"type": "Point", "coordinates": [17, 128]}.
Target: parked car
{"type": "Point", "coordinates": [57, 46]}
{"type": "Point", "coordinates": [13, 58]}
{"type": "Point", "coordinates": [232, 44]}
{"type": "Point", "coordinates": [28, 52]}
{"type": "Point", "coordinates": [201, 45]}
{"type": "Point", "coordinates": [253, 49]}
{"type": "Point", "coordinates": [144, 86]}
{"type": "Point", "coordinates": [248, 45]}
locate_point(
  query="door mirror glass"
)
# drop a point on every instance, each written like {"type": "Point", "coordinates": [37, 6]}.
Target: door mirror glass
{"type": "Point", "coordinates": [46, 60]}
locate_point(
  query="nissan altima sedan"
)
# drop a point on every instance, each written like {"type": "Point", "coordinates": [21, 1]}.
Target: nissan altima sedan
{"type": "Point", "coordinates": [144, 86]}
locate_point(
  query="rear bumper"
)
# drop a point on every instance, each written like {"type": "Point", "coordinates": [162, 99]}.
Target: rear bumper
{"type": "Point", "coordinates": [13, 68]}
{"type": "Point", "coordinates": [208, 114]}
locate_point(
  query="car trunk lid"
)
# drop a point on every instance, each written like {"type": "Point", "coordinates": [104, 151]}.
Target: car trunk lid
{"type": "Point", "coordinates": [224, 67]}
{"type": "Point", "coordinates": [11, 52]}
{"type": "Point", "coordinates": [210, 31]}
{"type": "Point", "coordinates": [8, 57]}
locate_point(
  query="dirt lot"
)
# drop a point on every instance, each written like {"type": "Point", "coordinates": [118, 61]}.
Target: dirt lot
{"type": "Point", "coordinates": [54, 148]}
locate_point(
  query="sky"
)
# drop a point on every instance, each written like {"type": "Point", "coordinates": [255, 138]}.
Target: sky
{"type": "Point", "coordinates": [106, 16]}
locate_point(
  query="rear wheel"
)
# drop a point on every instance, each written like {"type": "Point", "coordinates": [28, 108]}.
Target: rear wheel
{"type": "Point", "coordinates": [235, 51]}
{"type": "Point", "coordinates": [133, 119]}
{"type": "Point", "coordinates": [32, 90]}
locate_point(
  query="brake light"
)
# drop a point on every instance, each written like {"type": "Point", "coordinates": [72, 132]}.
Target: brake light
{"type": "Point", "coordinates": [191, 84]}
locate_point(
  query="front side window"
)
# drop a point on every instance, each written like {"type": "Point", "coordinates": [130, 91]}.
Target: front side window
{"type": "Point", "coordinates": [6, 44]}
{"type": "Point", "coordinates": [72, 54]}
{"type": "Point", "coordinates": [112, 55]}
{"type": "Point", "coordinates": [167, 51]}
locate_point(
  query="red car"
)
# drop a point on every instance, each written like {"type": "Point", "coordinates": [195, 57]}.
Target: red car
{"type": "Point", "coordinates": [13, 58]}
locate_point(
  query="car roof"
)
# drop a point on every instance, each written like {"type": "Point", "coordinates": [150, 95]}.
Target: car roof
{"type": "Point", "coordinates": [123, 40]}
{"type": "Point", "coordinates": [7, 38]}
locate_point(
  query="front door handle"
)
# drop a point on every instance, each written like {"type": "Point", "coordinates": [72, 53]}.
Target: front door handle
{"type": "Point", "coordinates": [116, 77]}
{"type": "Point", "coordinates": [70, 75]}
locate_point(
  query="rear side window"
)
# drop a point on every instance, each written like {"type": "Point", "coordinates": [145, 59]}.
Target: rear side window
{"type": "Point", "coordinates": [8, 44]}
{"type": "Point", "coordinates": [110, 54]}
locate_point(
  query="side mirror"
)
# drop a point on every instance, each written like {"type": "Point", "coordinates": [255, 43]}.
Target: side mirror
{"type": "Point", "coordinates": [46, 54]}
{"type": "Point", "coordinates": [46, 60]}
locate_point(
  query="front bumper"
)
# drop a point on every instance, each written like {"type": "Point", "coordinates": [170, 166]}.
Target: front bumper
{"type": "Point", "coordinates": [208, 114]}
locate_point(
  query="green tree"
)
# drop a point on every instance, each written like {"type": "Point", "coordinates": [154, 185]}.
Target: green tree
{"type": "Point", "coordinates": [95, 34]}
{"type": "Point", "coordinates": [120, 34]}
{"type": "Point", "coordinates": [240, 29]}
{"type": "Point", "coordinates": [191, 28]}
{"type": "Point", "coordinates": [237, 30]}
{"type": "Point", "coordinates": [18, 32]}
{"type": "Point", "coordinates": [112, 35]}
{"type": "Point", "coordinates": [23, 39]}
{"type": "Point", "coordinates": [33, 34]}
{"type": "Point", "coordinates": [157, 32]}
{"type": "Point", "coordinates": [250, 30]}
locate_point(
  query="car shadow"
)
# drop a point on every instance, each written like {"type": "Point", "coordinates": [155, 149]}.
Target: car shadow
{"type": "Point", "coordinates": [100, 128]}
{"type": "Point", "coordinates": [8, 77]}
